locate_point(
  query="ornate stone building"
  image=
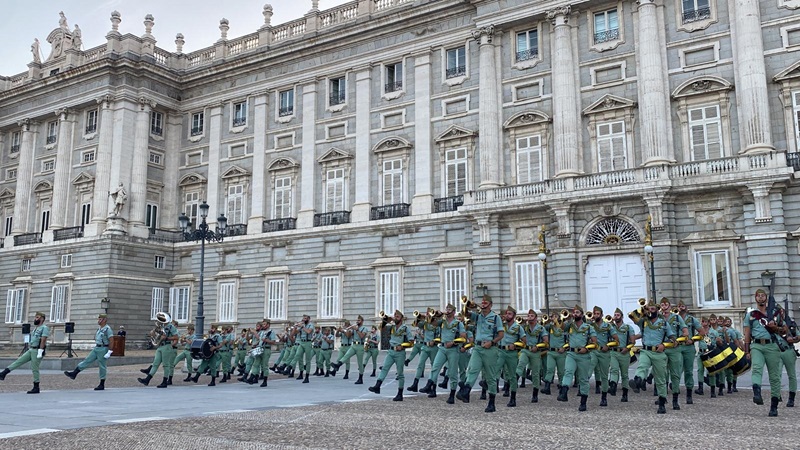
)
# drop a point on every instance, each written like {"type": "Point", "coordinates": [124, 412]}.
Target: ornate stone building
{"type": "Point", "coordinates": [395, 154]}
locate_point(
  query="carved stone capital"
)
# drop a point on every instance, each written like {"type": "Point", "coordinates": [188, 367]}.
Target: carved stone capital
{"type": "Point", "coordinates": [559, 11]}
{"type": "Point", "coordinates": [146, 103]}
{"type": "Point", "coordinates": [63, 113]}
{"type": "Point", "coordinates": [27, 124]}
{"type": "Point", "coordinates": [484, 226]}
{"type": "Point", "coordinates": [760, 193]}
{"type": "Point", "coordinates": [105, 101]}
{"type": "Point", "coordinates": [484, 35]}
{"type": "Point", "coordinates": [563, 217]}
{"type": "Point", "coordinates": [655, 205]}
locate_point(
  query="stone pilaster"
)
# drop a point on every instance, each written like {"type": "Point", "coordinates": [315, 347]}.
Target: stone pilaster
{"type": "Point", "coordinates": [58, 211]}
{"type": "Point", "coordinates": [565, 100]}
{"type": "Point", "coordinates": [653, 107]}
{"type": "Point", "coordinates": [362, 205]}
{"type": "Point", "coordinates": [170, 202]}
{"type": "Point", "coordinates": [102, 157]}
{"type": "Point", "coordinates": [138, 188]}
{"type": "Point", "coordinates": [309, 172]}
{"type": "Point", "coordinates": [490, 157]}
{"type": "Point", "coordinates": [751, 77]}
{"type": "Point", "coordinates": [22, 200]}
{"type": "Point", "coordinates": [258, 177]}
{"type": "Point", "coordinates": [422, 202]}
{"type": "Point", "coordinates": [214, 142]}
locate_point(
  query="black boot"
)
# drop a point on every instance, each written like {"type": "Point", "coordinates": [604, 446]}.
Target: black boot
{"type": "Point", "coordinates": [650, 378]}
{"type": "Point", "coordinates": [655, 391]}
{"type": "Point", "coordinates": [661, 408]}
{"type": "Point", "coordinates": [251, 379]}
{"type": "Point", "coordinates": [506, 388]}
{"type": "Point", "coordinates": [720, 387]}
{"type": "Point", "coordinates": [146, 371]}
{"type": "Point", "coordinates": [100, 387]}
{"type": "Point", "coordinates": [336, 366]}
{"type": "Point", "coordinates": [689, 400]}
{"type": "Point", "coordinates": [6, 372]}
{"type": "Point", "coordinates": [612, 388]}
{"type": "Point", "coordinates": [145, 381]}
{"type": "Point", "coordinates": [407, 362]}
{"type": "Point", "coordinates": [582, 406]}
{"type": "Point", "coordinates": [427, 388]}
{"type": "Point", "coordinates": [305, 380]}
{"type": "Point", "coordinates": [636, 384]}
{"type": "Point", "coordinates": [522, 385]}
{"type": "Point", "coordinates": [224, 377]}
{"type": "Point", "coordinates": [483, 394]}
{"type": "Point", "coordinates": [414, 386]}
{"type": "Point", "coordinates": [734, 386]}
{"type": "Point", "coordinates": [72, 374]}
{"type": "Point", "coordinates": [546, 388]}
{"type": "Point", "coordinates": [452, 398]}
{"type": "Point", "coordinates": [463, 393]}
{"type": "Point", "coordinates": [535, 396]}
{"type": "Point", "coordinates": [300, 377]}
{"type": "Point", "coordinates": [443, 373]}
{"type": "Point", "coordinates": [163, 383]}
{"type": "Point", "coordinates": [327, 373]}
{"type": "Point", "coordinates": [35, 389]}
{"type": "Point", "coordinates": [444, 382]}
{"type": "Point", "coordinates": [513, 401]}
{"type": "Point", "coordinates": [575, 383]}
{"type": "Point", "coordinates": [699, 390]}
{"type": "Point", "coordinates": [169, 380]}
{"type": "Point", "coordinates": [773, 407]}
{"type": "Point", "coordinates": [490, 407]}
{"type": "Point", "coordinates": [790, 403]}
{"type": "Point", "coordinates": [213, 381]}
{"type": "Point", "coordinates": [675, 405]}
{"type": "Point", "coordinates": [714, 392]}
{"type": "Point", "coordinates": [264, 382]}
{"type": "Point", "coordinates": [603, 399]}
{"type": "Point", "coordinates": [596, 387]}
{"type": "Point", "coordinates": [730, 387]}
{"type": "Point", "coordinates": [562, 393]}
{"type": "Point", "coordinates": [196, 377]}
{"type": "Point", "coordinates": [373, 372]}
{"type": "Point", "coordinates": [432, 391]}
{"type": "Point", "coordinates": [624, 398]}
{"type": "Point", "coordinates": [757, 395]}
{"type": "Point", "coordinates": [377, 388]}
{"type": "Point", "coordinates": [360, 379]}
{"type": "Point", "coordinates": [399, 396]}
{"type": "Point", "coordinates": [346, 375]}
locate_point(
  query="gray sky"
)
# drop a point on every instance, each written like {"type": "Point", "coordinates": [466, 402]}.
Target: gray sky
{"type": "Point", "coordinates": [198, 20]}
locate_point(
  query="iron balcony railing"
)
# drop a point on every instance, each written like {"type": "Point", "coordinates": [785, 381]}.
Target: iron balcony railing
{"type": "Point", "coordinates": [458, 71]}
{"type": "Point", "coordinates": [237, 229]}
{"type": "Point", "coordinates": [793, 160]}
{"type": "Point", "coordinates": [91, 128]}
{"type": "Point", "coordinates": [239, 121]}
{"type": "Point", "coordinates": [694, 15]}
{"type": "Point", "coordinates": [159, 235]}
{"type": "Point", "coordinates": [156, 130]}
{"type": "Point", "coordinates": [28, 238]}
{"type": "Point", "coordinates": [286, 223]}
{"type": "Point", "coordinates": [68, 233]}
{"type": "Point", "coordinates": [389, 211]}
{"type": "Point", "coordinates": [447, 204]}
{"type": "Point", "coordinates": [525, 55]}
{"type": "Point", "coordinates": [606, 36]}
{"type": "Point", "coordinates": [337, 98]}
{"type": "Point", "coordinates": [286, 111]}
{"type": "Point", "coordinates": [15, 148]}
{"type": "Point", "coordinates": [393, 86]}
{"type": "Point", "coordinates": [331, 218]}
{"type": "Point", "coordinates": [197, 131]}
{"type": "Point", "coordinates": [51, 139]}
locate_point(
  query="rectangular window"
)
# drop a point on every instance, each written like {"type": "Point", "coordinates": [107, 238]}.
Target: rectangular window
{"type": "Point", "coordinates": [394, 77]}
{"type": "Point", "coordinates": [528, 286]}
{"type": "Point", "coordinates": [329, 297]}
{"type": "Point", "coordinates": [26, 265]}
{"type": "Point", "coordinates": [156, 123]}
{"type": "Point", "coordinates": [611, 153]}
{"type": "Point", "coordinates": [796, 118]}
{"type": "Point", "coordinates": [59, 302]}
{"type": "Point", "coordinates": [527, 45]}
{"type": "Point", "coordinates": [11, 174]}
{"type": "Point", "coordinates": [529, 159]}
{"type": "Point", "coordinates": [179, 303]}
{"type": "Point", "coordinates": [226, 309]}
{"type": "Point", "coordinates": [455, 284]}
{"type": "Point", "coordinates": [240, 114]}
{"type": "Point", "coordinates": [66, 261]}
{"type": "Point", "coordinates": [197, 123]}
{"type": "Point", "coordinates": [455, 172]}
{"type": "Point", "coordinates": [155, 158]}
{"type": "Point", "coordinates": [191, 207]}
{"type": "Point", "coordinates": [235, 205]}
{"type": "Point", "coordinates": [86, 213]}
{"type": "Point", "coordinates": [49, 165]}
{"type": "Point", "coordinates": [156, 302]}
{"type": "Point", "coordinates": [606, 26]}
{"type": "Point", "coordinates": [45, 223]}
{"type": "Point", "coordinates": [158, 262]}
{"type": "Point", "coordinates": [88, 156]}
{"type": "Point", "coordinates": [713, 277]}
{"type": "Point", "coordinates": [389, 292]}
{"type": "Point", "coordinates": [91, 121]}
{"type": "Point", "coordinates": [15, 305]}
{"type": "Point", "coordinates": [275, 299]}
{"type": "Point", "coordinates": [705, 133]}
{"type": "Point", "coordinates": [52, 132]}
{"type": "Point", "coordinates": [286, 103]}
{"type": "Point", "coordinates": [393, 182]}
{"type": "Point", "coordinates": [456, 62]}
{"type": "Point", "coordinates": [334, 190]}
{"type": "Point", "coordinates": [337, 91]}
{"type": "Point", "coordinates": [16, 139]}
{"type": "Point", "coordinates": [8, 226]}
{"type": "Point", "coordinates": [151, 216]}
{"type": "Point", "coordinates": [282, 198]}
{"type": "Point", "coordinates": [695, 10]}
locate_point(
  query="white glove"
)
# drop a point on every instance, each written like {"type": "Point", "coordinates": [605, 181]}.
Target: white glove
{"type": "Point", "coordinates": [108, 354]}
{"type": "Point", "coordinates": [40, 353]}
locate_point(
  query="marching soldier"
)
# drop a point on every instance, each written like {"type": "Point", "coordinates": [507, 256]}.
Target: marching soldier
{"type": "Point", "coordinates": [326, 349]}
{"type": "Point", "coordinates": [788, 357]}
{"type": "Point", "coordinates": [100, 353]}
{"type": "Point", "coordinates": [451, 329]}
{"type": "Point", "coordinates": [316, 345]}
{"type": "Point", "coordinates": [488, 333]}
{"type": "Point", "coordinates": [165, 352]}
{"type": "Point", "coordinates": [35, 353]}
{"type": "Point", "coordinates": [601, 358]}
{"type": "Point", "coordinates": [688, 352]}
{"type": "Point", "coordinates": [674, 353]}
{"type": "Point", "coordinates": [760, 326]}
{"type": "Point", "coordinates": [531, 355]}
{"type": "Point", "coordinates": [249, 359]}
{"type": "Point", "coordinates": [578, 363]}
{"type": "Point", "coordinates": [264, 341]}
{"type": "Point", "coordinates": [357, 348]}
{"type": "Point", "coordinates": [556, 357]}
{"type": "Point", "coordinates": [186, 354]}
{"type": "Point", "coordinates": [345, 336]}
{"type": "Point", "coordinates": [620, 356]}
{"type": "Point", "coordinates": [465, 349]}
{"type": "Point", "coordinates": [228, 339]}
{"type": "Point", "coordinates": [429, 329]}
{"type": "Point", "coordinates": [400, 338]}
{"type": "Point", "coordinates": [418, 340]}
{"type": "Point", "coordinates": [736, 337]}
{"type": "Point", "coordinates": [241, 350]}
{"type": "Point", "coordinates": [508, 359]}
{"type": "Point", "coordinates": [211, 364]}
{"type": "Point", "coordinates": [374, 341]}
{"type": "Point", "coordinates": [655, 332]}
{"type": "Point", "coordinates": [304, 352]}
{"type": "Point", "coordinates": [703, 347]}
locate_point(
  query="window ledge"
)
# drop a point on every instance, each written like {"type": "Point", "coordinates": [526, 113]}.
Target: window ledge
{"type": "Point", "coordinates": [284, 119]}
{"type": "Point", "coordinates": [606, 46]}
{"type": "Point", "coordinates": [90, 136]}
{"type": "Point", "coordinates": [527, 64]}
{"type": "Point", "coordinates": [394, 95]}
{"type": "Point", "coordinates": [197, 138]}
{"type": "Point", "coordinates": [789, 4]}
{"type": "Point", "coordinates": [337, 108]}
{"type": "Point", "coordinates": [455, 81]}
{"type": "Point", "coordinates": [239, 129]}
{"type": "Point", "coordinates": [50, 146]}
{"type": "Point", "coordinates": [156, 137]}
{"type": "Point", "coordinates": [698, 25]}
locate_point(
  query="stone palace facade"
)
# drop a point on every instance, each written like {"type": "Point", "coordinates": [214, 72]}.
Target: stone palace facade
{"type": "Point", "coordinates": [396, 154]}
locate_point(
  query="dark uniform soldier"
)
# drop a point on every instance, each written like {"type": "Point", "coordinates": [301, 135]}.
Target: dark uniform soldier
{"type": "Point", "coordinates": [761, 327]}
{"type": "Point", "coordinates": [655, 332]}
{"type": "Point", "coordinates": [35, 353]}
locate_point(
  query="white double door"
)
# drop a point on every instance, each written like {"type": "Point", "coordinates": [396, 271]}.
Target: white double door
{"type": "Point", "coordinates": [615, 281]}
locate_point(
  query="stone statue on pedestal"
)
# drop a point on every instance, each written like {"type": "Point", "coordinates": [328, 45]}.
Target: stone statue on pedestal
{"type": "Point", "coordinates": [119, 197]}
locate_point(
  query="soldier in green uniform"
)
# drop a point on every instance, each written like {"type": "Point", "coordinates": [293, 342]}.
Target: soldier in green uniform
{"type": "Point", "coordinates": [400, 338]}
{"type": "Point", "coordinates": [694, 328]}
{"type": "Point", "coordinates": [655, 332]}
{"type": "Point", "coordinates": [280, 363]}
{"type": "Point", "coordinates": [556, 357]}
{"type": "Point", "coordinates": [601, 358]}
{"type": "Point", "coordinates": [789, 355]}
{"type": "Point", "coordinates": [430, 329]}
{"type": "Point", "coordinates": [578, 362]}
{"type": "Point", "coordinates": [673, 351]}
{"type": "Point", "coordinates": [530, 357]}
{"type": "Point", "coordinates": [450, 330]}
{"type": "Point", "coordinates": [304, 352]}
{"type": "Point", "coordinates": [761, 328]}
{"type": "Point", "coordinates": [736, 337]}
{"type": "Point", "coordinates": [316, 345]}
{"type": "Point", "coordinates": [703, 347]}
{"type": "Point", "coordinates": [326, 349]}
{"type": "Point", "coordinates": [165, 352]}
{"type": "Point", "coordinates": [508, 355]}
{"type": "Point", "coordinates": [374, 341]}
{"type": "Point", "coordinates": [465, 349]}
{"type": "Point", "coordinates": [620, 355]}
{"type": "Point", "coordinates": [211, 364]}
{"type": "Point", "coordinates": [186, 354]}
{"type": "Point", "coordinates": [35, 353]}
{"type": "Point", "coordinates": [418, 339]}
{"type": "Point", "coordinates": [488, 334]}
{"type": "Point", "coordinates": [359, 335]}
{"type": "Point", "coordinates": [716, 324]}
{"type": "Point", "coordinates": [292, 347]}
{"type": "Point", "coordinates": [710, 342]}
{"type": "Point", "coordinates": [345, 336]}
{"type": "Point", "coordinates": [100, 353]}
{"type": "Point", "coordinates": [241, 350]}
{"type": "Point", "coordinates": [226, 352]}
{"type": "Point", "coordinates": [264, 341]}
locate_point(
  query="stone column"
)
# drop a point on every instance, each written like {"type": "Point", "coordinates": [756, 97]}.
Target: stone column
{"type": "Point", "coordinates": [751, 77]}
{"type": "Point", "coordinates": [141, 152]}
{"type": "Point", "coordinates": [653, 90]}
{"type": "Point", "coordinates": [23, 197]}
{"type": "Point", "coordinates": [489, 150]}
{"type": "Point", "coordinates": [422, 201]}
{"type": "Point", "coordinates": [257, 178]}
{"type": "Point", "coordinates": [102, 174]}
{"type": "Point", "coordinates": [565, 99]}
{"type": "Point", "coordinates": [214, 140]}
{"type": "Point", "coordinates": [362, 205]}
{"type": "Point", "coordinates": [309, 172]}
{"type": "Point", "coordinates": [170, 202]}
{"type": "Point", "coordinates": [58, 212]}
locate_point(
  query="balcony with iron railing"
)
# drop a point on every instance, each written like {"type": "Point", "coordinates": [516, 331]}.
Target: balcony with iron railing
{"type": "Point", "coordinates": [197, 131]}
{"type": "Point", "coordinates": [457, 71]}
{"type": "Point", "coordinates": [15, 148]}
{"type": "Point", "coordinates": [285, 111]}
{"type": "Point", "coordinates": [51, 139]}
{"type": "Point", "coordinates": [168, 236]}
{"type": "Point", "coordinates": [237, 229]}
{"type": "Point", "coordinates": [28, 238]}
{"type": "Point", "coordinates": [793, 160]}
{"type": "Point", "coordinates": [331, 218]}
{"type": "Point", "coordinates": [393, 86]}
{"type": "Point", "coordinates": [695, 15]}
{"type": "Point", "coordinates": [606, 36]}
{"type": "Point", "coordinates": [527, 55]}
{"type": "Point", "coordinates": [156, 131]}
{"type": "Point", "coordinates": [91, 128]}
{"type": "Point", "coordinates": [272, 225]}
{"type": "Point", "coordinates": [337, 98]}
{"type": "Point", "coordinates": [239, 121]}
{"type": "Point", "coordinates": [389, 211]}
{"type": "Point", "coordinates": [447, 204]}
{"type": "Point", "coordinates": [67, 233]}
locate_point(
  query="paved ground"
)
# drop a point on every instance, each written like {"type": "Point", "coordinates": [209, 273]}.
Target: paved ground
{"type": "Point", "coordinates": [334, 413]}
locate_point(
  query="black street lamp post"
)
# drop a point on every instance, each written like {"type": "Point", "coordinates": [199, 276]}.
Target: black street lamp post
{"type": "Point", "coordinates": [648, 249]}
{"type": "Point", "coordinates": [202, 233]}
{"type": "Point", "coordinates": [543, 252]}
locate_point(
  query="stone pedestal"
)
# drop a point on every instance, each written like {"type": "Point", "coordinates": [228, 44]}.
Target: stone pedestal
{"type": "Point", "coordinates": [115, 225]}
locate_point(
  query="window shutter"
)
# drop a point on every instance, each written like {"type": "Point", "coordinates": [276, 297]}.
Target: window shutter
{"type": "Point", "coordinates": [10, 302]}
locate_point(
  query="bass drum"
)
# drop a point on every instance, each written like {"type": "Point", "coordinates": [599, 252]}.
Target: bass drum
{"type": "Point", "coordinates": [201, 348]}
{"type": "Point", "coordinates": [719, 358]}
{"type": "Point", "coordinates": [742, 365]}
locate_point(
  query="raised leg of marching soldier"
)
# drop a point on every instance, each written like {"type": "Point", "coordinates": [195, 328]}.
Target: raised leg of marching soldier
{"type": "Point", "coordinates": [261, 364]}
{"type": "Point", "coordinates": [318, 361]}
{"type": "Point", "coordinates": [701, 370]}
{"type": "Point", "coordinates": [482, 359]}
{"type": "Point", "coordinates": [427, 353]}
{"type": "Point", "coordinates": [675, 367]}
{"type": "Point", "coordinates": [393, 358]}
{"type": "Point", "coordinates": [358, 351]}
{"type": "Point", "coordinates": [555, 362]}
{"type": "Point", "coordinates": [576, 367]}
{"type": "Point", "coordinates": [620, 363]}
{"type": "Point", "coordinates": [165, 354]}
{"type": "Point", "coordinates": [208, 364]}
{"type": "Point", "coordinates": [418, 346]}
{"type": "Point", "coordinates": [241, 358]}
{"type": "Point", "coordinates": [508, 359]}
{"type": "Point", "coordinates": [649, 359]}
{"type": "Point", "coordinates": [373, 355]}
{"type": "Point", "coordinates": [769, 355]}
{"type": "Point", "coordinates": [186, 357]}
{"type": "Point", "coordinates": [448, 356]}
{"type": "Point", "coordinates": [789, 359]}
{"type": "Point", "coordinates": [533, 362]}
{"type": "Point", "coordinates": [601, 361]}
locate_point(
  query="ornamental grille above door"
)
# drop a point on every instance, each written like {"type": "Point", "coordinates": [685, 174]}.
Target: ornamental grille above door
{"type": "Point", "coordinates": [612, 231]}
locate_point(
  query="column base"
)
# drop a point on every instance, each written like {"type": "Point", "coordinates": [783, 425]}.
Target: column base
{"type": "Point", "coordinates": [657, 161]}
{"type": "Point", "coordinates": [255, 225]}
{"type": "Point", "coordinates": [360, 212]}
{"type": "Point", "coordinates": [569, 173]}
{"type": "Point", "coordinates": [757, 149]}
{"type": "Point", "coordinates": [422, 204]}
{"type": "Point", "coordinates": [115, 226]}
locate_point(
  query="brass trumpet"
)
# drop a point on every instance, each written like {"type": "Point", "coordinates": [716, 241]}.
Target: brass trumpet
{"type": "Point", "coordinates": [544, 320]}
{"type": "Point", "coordinates": [467, 305]}
{"type": "Point", "coordinates": [519, 320]}
{"type": "Point", "coordinates": [589, 316]}
{"type": "Point", "coordinates": [386, 319]}
{"type": "Point", "coordinates": [637, 314]}
{"type": "Point", "coordinates": [416, 313]}
{"type": "Point", "coordinates": [675, 310]}
{"type": "Point", "coordinates": [608, 318]}
{"type": "Point", "coordinates": [561, 318]}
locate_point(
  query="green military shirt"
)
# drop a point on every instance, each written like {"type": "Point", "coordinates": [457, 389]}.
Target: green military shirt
{"type": "Point", "coordinates": [536, 334]}
{"type": "Point", "coordinates": [346, 340]}
{"type": "Point", "coordinates": [399, 335]}
{"type": "Point", "coordinates": [102, 336]}
{"type": "Point", "coordinates": [486, 327]}
{"type": "Point", "coordinates": [558, 338]}
{"type": "Point", "coordinates": [656, 332]}
{"type": "Point", "coordinates": [677, 324]}
{"type": "Point", "coordinates": [324, 345]}
{"type": "Point", "coordinates": [604, 333]}
{"type": "Point", "coordinates": [511, 334]}
{"type": "Point", "coordinates": [757, 329]}
{"type": "Point", "coordinates": [693, 325]}
{"type": "Point", "coordinates": [429, 332]}
{"type": "Point", "coordinates": [357, 338]}
{"type": "Point", "coordinates": [579, 336]}
{"type": "Point", "coordinates": [265, 334]}
{"type": "Point", "coordinates": [451, 330]}
{"type": "Point", "coordinates": [307, 332]}
{"type": "Point", "coordinates": [624, 333]}
{"type": "Point", "coordinates": [42, 331]}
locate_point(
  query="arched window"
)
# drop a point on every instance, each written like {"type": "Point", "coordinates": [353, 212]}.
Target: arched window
{"type": "Point", "coordinates": [612, 231]}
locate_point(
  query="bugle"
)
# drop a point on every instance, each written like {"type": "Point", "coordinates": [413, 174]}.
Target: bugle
{"type": "Point", "coordinates": [608, 318]}
{"type": "Point", "coordinates": [675, 310]}
{"type": "Point", "coordinates": [520, 320]}
{"type": "Point", "coordinates": [589, 316]}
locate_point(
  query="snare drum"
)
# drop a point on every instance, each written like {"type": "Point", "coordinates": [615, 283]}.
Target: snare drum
{"type": "Point", "coordinates": [201, 348]}
{"type": "Point", "coordinates": [257, 351]}
{"type": "Point", "coordinates": [719, 358]}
